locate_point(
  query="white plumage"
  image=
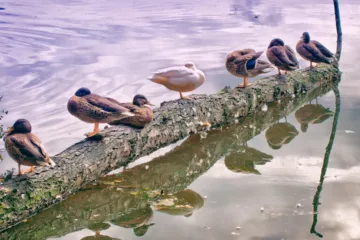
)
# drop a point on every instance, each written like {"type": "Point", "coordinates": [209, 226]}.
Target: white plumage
{"type": "Point", "coordinates": [181, 79]}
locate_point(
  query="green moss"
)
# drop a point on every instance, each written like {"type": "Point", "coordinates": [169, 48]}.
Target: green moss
{"type": "Point", "coordinates": [277, 92]}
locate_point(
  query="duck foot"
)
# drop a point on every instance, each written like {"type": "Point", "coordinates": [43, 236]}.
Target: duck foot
{"type": "Point", "coordinates": [29, 170]}
{"type": "Point", "coordinates": [94, 132]}
{"type": "Point", "coordinates": [184, 97]}
{"type": "Point", "coordinates": [245, 84]}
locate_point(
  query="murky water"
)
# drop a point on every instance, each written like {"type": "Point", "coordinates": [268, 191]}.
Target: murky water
{"type": "Point", "coordinates": [262, 183]}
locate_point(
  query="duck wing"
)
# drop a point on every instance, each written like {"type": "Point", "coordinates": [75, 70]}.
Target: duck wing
{"type": "Point", "coordinates": [132, 108]}
{"type": "Point", "coordinates": [174, 72]}
{"type": "Point", "coordinates": [246, 62]}
{"type": "Point", "coordinates": [312, 48]}
{"type": "Point", "coordinates": [282, 56]}
{"type": "Point", "coordinates": [326, 52]}
{"type": "Point", "coordinates": [291, 54]}
{"type": "Point", "coordinates": [105, 104]}
{"type": "Point", "coordinates": [30, 147]}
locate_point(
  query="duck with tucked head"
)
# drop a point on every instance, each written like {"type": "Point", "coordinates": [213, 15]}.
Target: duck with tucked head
{"type": "Point", "coordinates": [313, 51]}
{"type": "Point", "coordinates": [143, 114]}
{"type": "Point", "coordinates": [25, 147]}
{"type": "Point", "coordinates": [282, 56]}
{"type": "Point", "coordinates": [244, 63]}
{"type": "Point", "coordinates": [92, 108]}
{"type": "Point", "coordinates": [180, 79]}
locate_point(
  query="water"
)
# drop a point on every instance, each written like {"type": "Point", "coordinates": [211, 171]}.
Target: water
{"type": "Point", "coordinates": [51, 49]}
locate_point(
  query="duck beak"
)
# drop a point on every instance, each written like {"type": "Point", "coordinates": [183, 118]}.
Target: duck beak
{"type": "Point", "coordinates": [9, 130]}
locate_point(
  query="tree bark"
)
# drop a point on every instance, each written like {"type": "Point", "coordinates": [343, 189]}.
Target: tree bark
{"type": "Point", "coordinates": [84, 162]}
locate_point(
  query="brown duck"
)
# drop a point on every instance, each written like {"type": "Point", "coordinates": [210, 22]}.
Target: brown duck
{"type": "Point", "coordinates": [92, 108]}
{"type": "Point", "coordinates": [143, 114]}
{"type": "Point", "coordinates": [313, 51]}
{"type": "Point", "coordinates": [282, 56]}
{"type": "Point", "coordinates": [244, 63]}
{"type": "Point", "coordinates": [25, 147]}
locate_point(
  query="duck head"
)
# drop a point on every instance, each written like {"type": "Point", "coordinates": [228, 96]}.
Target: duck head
{"type": "Point", "coordinates": [20, 126]}
{"type": "Point", "coordinates": [276, 42]}
{"type": "Point", "coordinates": [140, 100]}
{"type": "Point", "coordinates": [190, 65]}
{"type": "Point", "coordinates": [306, 37]}
{"type": "Point", "coordinates": [81, 92]}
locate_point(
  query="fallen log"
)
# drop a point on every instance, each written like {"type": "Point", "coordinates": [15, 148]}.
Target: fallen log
{"type": "Point", "coordinates": [84, 162]}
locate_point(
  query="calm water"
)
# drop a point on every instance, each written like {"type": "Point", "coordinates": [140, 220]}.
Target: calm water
{"type": "Point", "coordinates": [49, 49]}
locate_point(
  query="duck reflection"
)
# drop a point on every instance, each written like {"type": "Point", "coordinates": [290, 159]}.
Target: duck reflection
{"type": "Point", "coordinates": [137, 219]}
{"type": "Point", "coordinates": [182, 203]}
{"type": "Point", "coordinates": [312, 114]}
{"type": "Point", "coordinates": [279, 134]}
{"type": "Point", "coordinates": [245, 160]}
{"type": "Point", "coordinates": [97, 228]}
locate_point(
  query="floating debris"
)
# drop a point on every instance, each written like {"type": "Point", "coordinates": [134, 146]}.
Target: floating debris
{"type": "Point", "coordinates": [146, 167]}
{"type": "Point", "coordinates": [204, 197]}
{"type": "Point", "coordinates": [298, 205]}
{"type": "Point", "coordinates": [262, 209]}
{"type": "Point", "coordinates": [207, 228]}
{"type": "Point", "coordinates": [349, 131]}
{"type": "Point", "coordinates": [235, 233]}
{"type": "Point", "coordinates": [238, 228]}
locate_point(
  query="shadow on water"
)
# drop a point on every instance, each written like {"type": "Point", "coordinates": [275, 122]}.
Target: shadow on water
{"type": "Point", "coordinates": [316, 201]}
{"type": "Point", "coordinates": [128, 199]}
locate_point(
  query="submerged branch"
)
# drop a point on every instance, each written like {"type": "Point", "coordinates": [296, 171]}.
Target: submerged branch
{"type": "Point", "coordinates": [316, 200]}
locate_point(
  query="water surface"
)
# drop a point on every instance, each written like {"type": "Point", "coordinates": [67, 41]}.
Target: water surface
{"type": "Point", "coordinates": [51, 49]}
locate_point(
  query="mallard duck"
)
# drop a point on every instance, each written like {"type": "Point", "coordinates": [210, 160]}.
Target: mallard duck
{"type": "Point", "coordinates": [314, 51]}
{"type": "Point", "coordinates": [25, 147]}
{"type": "Point", "coordinates": [282, 56]}
{"type": "Point", "coordinates": [143, 114]}
{"type": "Point", "coordinates": [92, 108]}
{"type": "Point", "coordinates": [244, 63]}
{"type": "Point", "coordinates": [181, 79]}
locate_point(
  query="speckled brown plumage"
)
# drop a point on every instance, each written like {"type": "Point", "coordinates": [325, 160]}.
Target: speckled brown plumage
{"type": "Point", "coordinates": [24, 147]}
{"type": "Point", "coordinates": [313, 50]}
{"type": "Point", "coordinates": [93, 108]}
{"type": "Point", "coordinates": [143, 114]}
{"type": "Point", "coordinates": [282, 56]}
{"type": "Point", "coordinates": [236, 63]}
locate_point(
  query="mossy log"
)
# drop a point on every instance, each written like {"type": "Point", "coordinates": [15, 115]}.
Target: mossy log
{"type": "Point", "coordinates": [82, 163]}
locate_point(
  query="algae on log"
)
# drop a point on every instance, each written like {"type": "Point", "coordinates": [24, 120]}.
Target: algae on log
{"type": "Point", "coordinates": [85, 161]}
{"type": "Point", "coordinates": [115, 198]}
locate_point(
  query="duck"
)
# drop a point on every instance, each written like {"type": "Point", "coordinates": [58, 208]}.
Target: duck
{"type": "Point", "coordinates": [25, 148]}
{"type": "Point", "coordinates": [244, 63]}
{"type": "Point", "coordinates": [282, 56]}
{"type": "Point", "coordinates": [143, 114]}
{"type": "Point", "coordinates": [181, 79]}
{"type": "Point", "coordinates": [314, 51]}
{"type": "Point", "coordinates": [93, 108]}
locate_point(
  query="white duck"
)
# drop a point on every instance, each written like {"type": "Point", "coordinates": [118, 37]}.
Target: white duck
{"type": "Point", "coordinates": [181, 79]}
